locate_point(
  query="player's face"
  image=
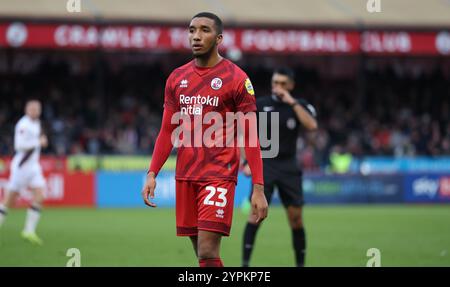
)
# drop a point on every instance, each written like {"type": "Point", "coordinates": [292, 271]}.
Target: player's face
{"type": "Point", "coordinates": [282, 81]}
{"type": "Point", "coordinates": [33, 109]}
{"type": "Point", "coordinates": [203, 36]}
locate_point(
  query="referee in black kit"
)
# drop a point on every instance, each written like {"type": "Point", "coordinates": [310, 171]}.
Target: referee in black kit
{"type": "Point", "coordinates": [283, 171]}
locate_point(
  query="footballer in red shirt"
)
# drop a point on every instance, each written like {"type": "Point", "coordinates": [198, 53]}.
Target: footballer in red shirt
{"type": "Point", "coordinates": [199, 98]}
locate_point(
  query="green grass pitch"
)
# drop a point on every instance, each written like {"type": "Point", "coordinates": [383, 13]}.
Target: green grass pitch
{"type": "Point", "coordinates": [406, 235]}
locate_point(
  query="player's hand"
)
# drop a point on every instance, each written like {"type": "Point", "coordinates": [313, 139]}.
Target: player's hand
{"type": "Point", "coordinates": [246, 170]}
{"type": "Point", "coordinates": [284, 95]}
{"type": "Point", "coordinates": [43, 140]}
{"type": "Point", "coordinates": [149, 189]}
{"type": "Point", "coordinates": [260, 207]}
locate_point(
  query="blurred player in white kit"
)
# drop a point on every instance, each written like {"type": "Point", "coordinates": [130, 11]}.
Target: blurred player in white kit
{"type": "Point", "coordinates": [26, 171]}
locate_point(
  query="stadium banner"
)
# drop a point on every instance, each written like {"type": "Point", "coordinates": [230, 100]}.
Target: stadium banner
{"type": "Point", "coordinates": [318, 188]}
{"type": "Point", "coordinates": [123, 189]}
{"type": "Point", "coordinates": [386, 165]}
{"type": "Point", "coordinates": [427, 188]}
{"type": "Point", "coordinates": [114, 163]}
{"type": "Point", "coordinates": [257, 40]}
{"type": "Point", "coordinates": [64, 188]}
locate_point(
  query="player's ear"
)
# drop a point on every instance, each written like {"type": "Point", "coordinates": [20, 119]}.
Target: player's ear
{"type": "Point", "coordinates": [291, 84]}
{"type": "Point", "coordinates": [219, 39]}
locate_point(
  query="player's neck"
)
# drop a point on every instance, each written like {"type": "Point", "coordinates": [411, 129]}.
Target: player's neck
{"type": "Point", "coordinates": [31, 118]}
{"type": "Point", "coordinates": [208, 61]}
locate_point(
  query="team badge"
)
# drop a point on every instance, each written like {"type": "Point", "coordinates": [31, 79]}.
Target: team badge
{"type": "Point", "coordinates": [249, 87]}
{"type": "Point", "coordinates": [216, 83]}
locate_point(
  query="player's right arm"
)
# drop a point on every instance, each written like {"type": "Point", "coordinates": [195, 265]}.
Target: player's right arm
{"type": "Point", "coordinates": [161, 152]}
{"type": "Point", "coordinates": [163, 145]}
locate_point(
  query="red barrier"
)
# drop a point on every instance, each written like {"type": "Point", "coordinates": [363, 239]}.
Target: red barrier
{"type": "Point", "coordinates": [64, 188]}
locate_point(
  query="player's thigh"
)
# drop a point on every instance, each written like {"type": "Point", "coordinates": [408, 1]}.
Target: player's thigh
{"type": "Point", "coordinates": [208, 245]}
{"type": "Point", "coordinates": [186, 208]}
{"type": "Point", "coordinates": [215, 206]}
{"type": "Point", "coordinates": [10, 198]}
{"type": "Point", "coordinates": [18, 179]}
{"type": "Point", "coordinates": [37, 184]}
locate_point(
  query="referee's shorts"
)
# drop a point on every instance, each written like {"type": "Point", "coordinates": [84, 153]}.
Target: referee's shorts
{"type": "Point", "coordinates": [287, 177]}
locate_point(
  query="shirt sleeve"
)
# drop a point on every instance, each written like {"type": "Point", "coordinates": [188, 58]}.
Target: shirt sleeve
{"type": "Point", "coordinates": [163, 145]}
{"type": "Point", "coordinates": [253, 155]}
{"type": "Point", "coordinates": [309, 108]}
{"type": "Point", "coordinates": [244, 97]}
{"type": "Point", "coordinates": [170, 101]}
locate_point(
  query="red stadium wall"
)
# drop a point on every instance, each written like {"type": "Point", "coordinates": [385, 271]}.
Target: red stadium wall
{"type": "Point", "coordinates": [64, 188]}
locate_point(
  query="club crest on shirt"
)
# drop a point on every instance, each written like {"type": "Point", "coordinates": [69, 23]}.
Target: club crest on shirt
{"type": "Point", "coordinates": [249, 87]}
{"type": "Point", "coordinates": [216, 83]}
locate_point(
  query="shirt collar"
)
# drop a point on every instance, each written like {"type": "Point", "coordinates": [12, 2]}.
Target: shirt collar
{"type": "Point", "coordinates": [275, 98]}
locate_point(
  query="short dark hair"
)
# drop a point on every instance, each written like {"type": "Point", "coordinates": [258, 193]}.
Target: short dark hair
{"type": "Point", "coordinates": [29, 100]}
{"type": "Point", "coordinates": [214, 17]}
{"type": "Point", "coordinates": [286, 71]}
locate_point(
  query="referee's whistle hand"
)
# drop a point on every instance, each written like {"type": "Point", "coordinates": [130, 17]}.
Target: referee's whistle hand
{"type": "Point", "coordinates": [149, 189]}
{"type": "Point", "coordinates": [260, 206]}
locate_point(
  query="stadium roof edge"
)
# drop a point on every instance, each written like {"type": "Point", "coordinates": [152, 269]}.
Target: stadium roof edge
{"type": "Point", "coordinates": [297, 13]}
{"type": "Point", "coordinates": [248, 25]}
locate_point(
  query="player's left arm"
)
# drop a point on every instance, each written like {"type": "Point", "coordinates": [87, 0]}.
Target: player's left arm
{"type": "Point", "coordinates": [304, 111]}
{"type": "Point", "coordinates": [43, 139]}
{"type": "Point", "coordinates": [246, 103]}
{"type": "Point", "coordinates": [254, 161]}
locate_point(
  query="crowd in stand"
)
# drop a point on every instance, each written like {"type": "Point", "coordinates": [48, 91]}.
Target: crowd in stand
{"type": "Point", "coordinates": [112, 104]}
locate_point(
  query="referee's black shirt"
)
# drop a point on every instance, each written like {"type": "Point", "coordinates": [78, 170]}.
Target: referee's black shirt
{"type": "Point", "coordinates": [288, 128]}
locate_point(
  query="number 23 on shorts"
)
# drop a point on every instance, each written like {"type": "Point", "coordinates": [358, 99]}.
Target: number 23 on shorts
{"type": "Point", "coordinates": [221, 198]}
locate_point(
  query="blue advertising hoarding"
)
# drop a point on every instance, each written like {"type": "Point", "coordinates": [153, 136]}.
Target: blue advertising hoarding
{"type": "Point", "coordinates": [352, 189]}
{"type": "Point", "coordinates": [427, 188]}
{"type": "Point", "coordinates": [123, 189]}
{"type": "Point", "coordinates": [384, 165]}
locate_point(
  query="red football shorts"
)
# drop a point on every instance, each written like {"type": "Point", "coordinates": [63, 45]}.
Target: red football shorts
{"type": "Point", "coordinates": [204, 206]}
